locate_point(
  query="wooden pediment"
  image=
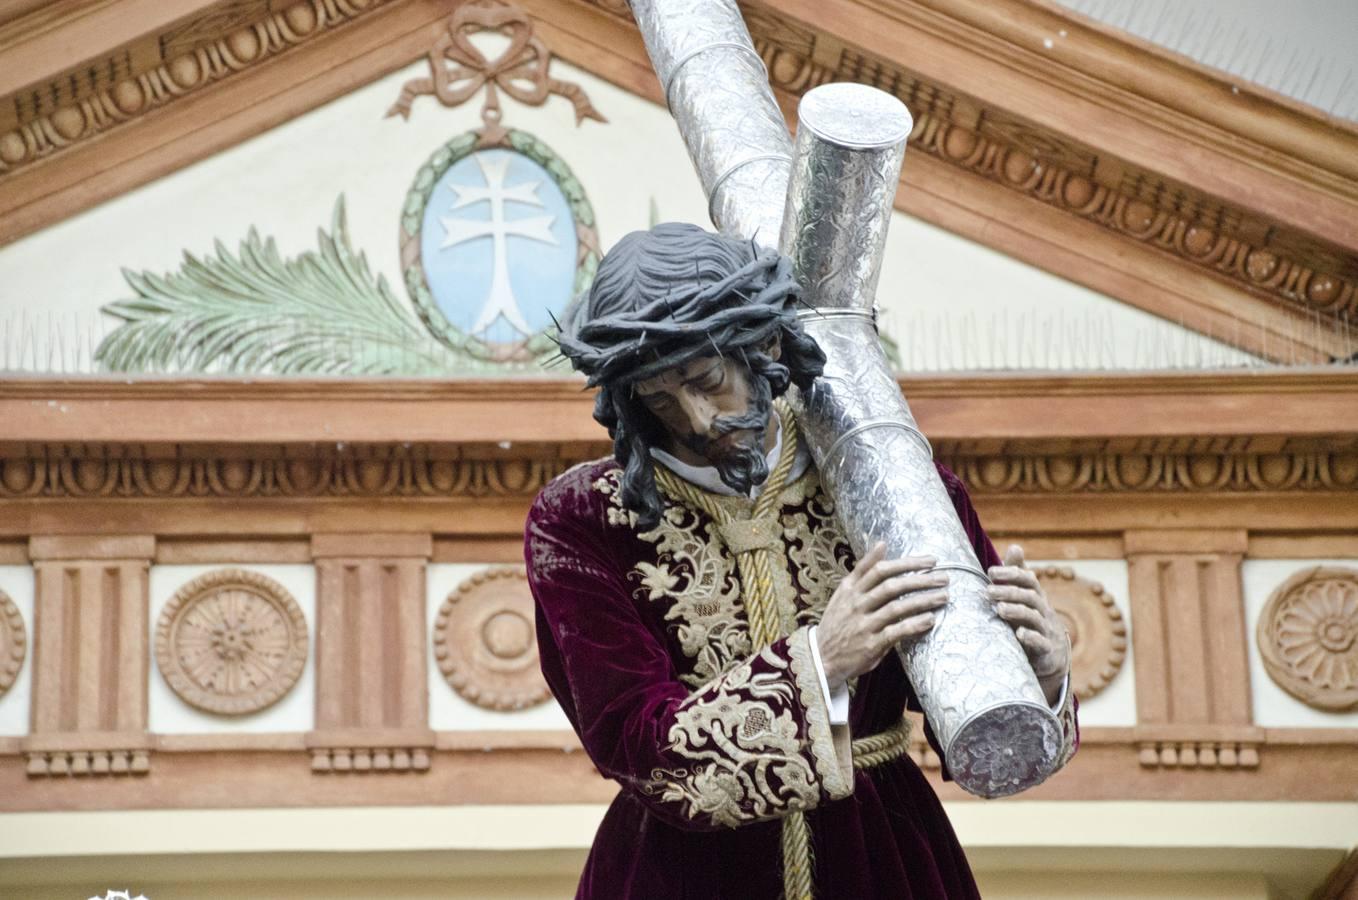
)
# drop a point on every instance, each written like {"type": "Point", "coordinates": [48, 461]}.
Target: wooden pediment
{"type": "Point", "coordinates": [1169, 186]}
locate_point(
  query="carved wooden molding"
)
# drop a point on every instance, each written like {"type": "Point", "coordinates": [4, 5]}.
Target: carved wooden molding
{"type": "Point", "coordinates": [1098, 634]}
{"type": "Point", "coordinates": [360, 760]}
{"type": "Point", "coordinates": [231, 642]}
{"type": "Point", "coordinates": [1150, 470]}
{"type": "Point", "coordinates": [13, 642]}
{"type": "Point", "coordinates": [372, 700]}
{"type": "Point", "coordinates": [485, 642]}
{"type": "Point", "coordinates": [1192, 668]}
{"type": "Point", "coordinates": [90, 663]}
{"type": "Point", "coordinates": [120, 472]}
{"type": "Point", "coordinates": [494, 767]}
{"type": "Point", "coordinates": [193, 55]}
{"type": "Point", "coordinates": [1308, 637]}
{"type": "Point", "coordinates": [367, 750]}
{"type": "Point", "coordinates": [88, 762]}
{"type": "Point", "coordinates": [1198, 754]}
{"type": "Point", "coordinates": [556, 415]}
{"type": "Point", "coordinates": [355, 472]}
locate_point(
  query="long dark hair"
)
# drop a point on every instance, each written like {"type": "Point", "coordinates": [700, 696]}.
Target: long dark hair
{"type": "Point", "coordinates": [663, 297]}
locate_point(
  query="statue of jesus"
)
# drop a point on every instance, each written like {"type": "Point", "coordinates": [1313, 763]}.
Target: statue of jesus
{"type": "Point", "coordinates": [704, 624]}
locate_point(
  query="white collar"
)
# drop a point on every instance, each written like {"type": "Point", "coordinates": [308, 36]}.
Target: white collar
{"type": "Point", "coordinates": [707, 478]}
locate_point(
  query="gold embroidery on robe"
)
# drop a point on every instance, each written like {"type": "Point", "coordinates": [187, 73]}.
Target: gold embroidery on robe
{"type": "Point", "coordinates": [696, 573]}
{"type": "Point", "coordinates": [749, 761]}
{"type": "Point", "coordinates": [699, 580]}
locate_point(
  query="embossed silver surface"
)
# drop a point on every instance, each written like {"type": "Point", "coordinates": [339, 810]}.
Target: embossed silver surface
{"type": "Point", "coordinates": [970, 673]}
{"type": "Point", "coordinates": [719, 94]}
{"type": "Point", "coordinates": [980, 695]}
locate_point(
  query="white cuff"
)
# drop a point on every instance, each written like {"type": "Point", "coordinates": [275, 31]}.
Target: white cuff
{"type": "Point", "coordinates": [838, 700]}
{"type": "Point", "coordinates": [1056, 707]}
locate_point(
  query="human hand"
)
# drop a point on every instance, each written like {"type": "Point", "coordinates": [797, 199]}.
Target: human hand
{"type": "Point", "coordinates": [877, 605]}
{"type": "Point", "coordinates": [1020, 601]}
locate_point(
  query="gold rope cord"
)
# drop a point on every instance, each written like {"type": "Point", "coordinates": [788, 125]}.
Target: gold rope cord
{"type": "Point", "coordinates": [756, 581]}
{"type": "Point", "coordinates": [757, 593]}
{"type": "Point", "coordinates": [882, 747]}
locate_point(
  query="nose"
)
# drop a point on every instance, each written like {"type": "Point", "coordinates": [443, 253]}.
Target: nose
{"type": "Point", "coordinates": [698, 412]}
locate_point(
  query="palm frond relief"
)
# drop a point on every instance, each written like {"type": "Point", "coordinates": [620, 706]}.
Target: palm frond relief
{"type": "Point", "coordinates": [322, 313]}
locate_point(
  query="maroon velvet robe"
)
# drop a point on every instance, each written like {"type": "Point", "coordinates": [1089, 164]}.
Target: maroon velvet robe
{"type": "Point", "coordinates": [644, 643]}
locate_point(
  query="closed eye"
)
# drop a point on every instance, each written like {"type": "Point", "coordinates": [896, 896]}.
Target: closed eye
{"type": "Point", "coordinates": [658, 403]}
{"type": "Point", "coordinates": [712, 379]}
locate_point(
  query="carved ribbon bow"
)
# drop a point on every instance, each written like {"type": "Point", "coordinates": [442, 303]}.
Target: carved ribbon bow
{"type": "Point", "coordinates": [460, 70]}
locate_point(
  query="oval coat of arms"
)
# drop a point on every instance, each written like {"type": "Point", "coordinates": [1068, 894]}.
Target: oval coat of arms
{"type": "Point", "coordinates": [495, 241]}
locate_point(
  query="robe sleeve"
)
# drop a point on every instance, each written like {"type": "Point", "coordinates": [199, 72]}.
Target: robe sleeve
{"type": "Point", "coordinates": [1068, 712]}
{"type": "Point", "coordinates": [754, 743]}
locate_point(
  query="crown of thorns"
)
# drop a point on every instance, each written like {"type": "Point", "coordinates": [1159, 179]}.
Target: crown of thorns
{"type": "Point", "coordinates": [744, 309]}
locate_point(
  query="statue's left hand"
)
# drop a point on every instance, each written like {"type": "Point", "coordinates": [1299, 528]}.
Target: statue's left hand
{"type": "Point", "coordinates": [1020, 601]}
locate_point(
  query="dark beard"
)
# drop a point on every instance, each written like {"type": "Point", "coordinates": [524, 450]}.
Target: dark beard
{"type": "Point", "coordinates": [743, 466]}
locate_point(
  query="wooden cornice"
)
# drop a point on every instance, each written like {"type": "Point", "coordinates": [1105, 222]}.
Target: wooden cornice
{"type": "Point", "coordinates": [41, 74]}
{"type": "Point", "coordinates": [1070, 146]}
{"type": "Point", "coordinates": [1268, 408]}
{"type": "Point", "coordinates": [1086, 175]}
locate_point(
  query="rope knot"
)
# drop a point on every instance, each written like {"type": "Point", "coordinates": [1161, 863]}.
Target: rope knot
{"type": "Point", "coordinates": [747, 535]}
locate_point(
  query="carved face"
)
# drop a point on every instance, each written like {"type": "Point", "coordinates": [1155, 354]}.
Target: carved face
{"type": "Point", "coordinates": [716, 414]}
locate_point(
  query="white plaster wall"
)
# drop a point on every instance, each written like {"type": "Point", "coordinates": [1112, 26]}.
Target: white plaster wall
{"type": "Point", "coordinates": [293, 712]}
{"type": "Point", "coordinates": [448, 711]}
{"type": "Point", "coordinates": [17, 583]}
{"type": "Point", "coordinates": [1274, 707]}
{"type": "Point", "coordinates": [1116, 703]}
{"type": "Point", "coordinates": [950, 303]}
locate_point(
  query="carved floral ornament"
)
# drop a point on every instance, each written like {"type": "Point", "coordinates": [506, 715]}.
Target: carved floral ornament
{"type": "Point", "coordinates": [485, 643]}
{"type": "Point", "coordinates": [1308, 637]}
{"type": "Point", "coordinates": [13, 642]}
{"type": "Point", "coordinates": [1098, 634]}
{"type": "Point", "coordinates": [231, 642]}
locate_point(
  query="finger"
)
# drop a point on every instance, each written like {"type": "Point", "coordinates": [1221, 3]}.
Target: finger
{"type": "Point", "coordinates": [1033, 643]}
{"type": "Point", "coordinates": [1017, 614]}
{"type": "Point", "coordinates": [903, 584]}
{"type": "Point", "coordinates": [1010, 575]}
{"type": "Point", "coordinates": [1011, 594]}
{"type": "Point", "coordinates": [891, 568]}
{"type": "Point", "coordinates": [909, 629]}
{"type": "Point", "coordinates": [870, 559]}
{"type": "Point", "coordinates": [1014, 556]}
{"type": "Point", "coordinates": [904, 607]}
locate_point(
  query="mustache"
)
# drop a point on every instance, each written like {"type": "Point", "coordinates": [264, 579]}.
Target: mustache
{"type": "Point", "coordinates": [751, 421]}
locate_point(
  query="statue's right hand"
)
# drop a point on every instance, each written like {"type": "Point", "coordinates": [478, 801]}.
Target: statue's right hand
{"type": "Point", "coordinates": [877, 605]}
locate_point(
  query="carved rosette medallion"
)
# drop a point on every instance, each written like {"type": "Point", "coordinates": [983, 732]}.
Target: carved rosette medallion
{"type": "Point", "coordinates": [485, 643]}
{"type": "Point", "coordinates": [13, 642]}
{"type": "Point", "coordinates": [1098, 634]}
{"type": "Point", "coordinates": [231, 642]}
{"type": "Point", "coordinates": [1308, 637]}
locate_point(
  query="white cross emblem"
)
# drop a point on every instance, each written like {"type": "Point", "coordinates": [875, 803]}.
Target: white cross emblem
{"type": "Point", "coordinates": [500, 301]}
